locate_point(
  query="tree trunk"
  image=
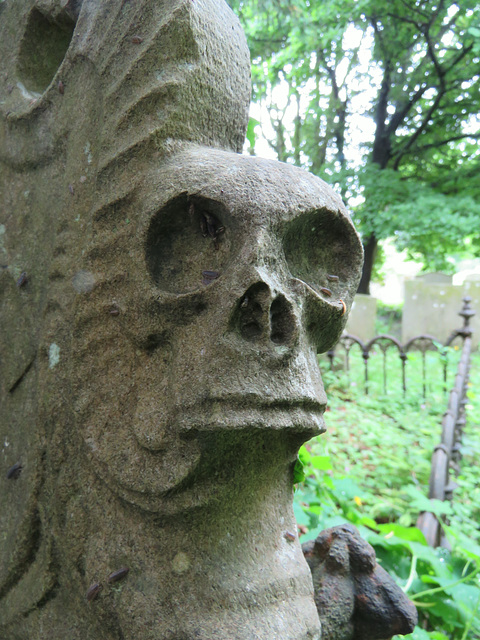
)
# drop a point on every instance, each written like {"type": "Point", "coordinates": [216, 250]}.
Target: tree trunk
{"type": "Point", "coordinates": [370, 248]}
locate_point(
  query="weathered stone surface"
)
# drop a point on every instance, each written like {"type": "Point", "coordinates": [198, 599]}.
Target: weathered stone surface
{"type": "Point", "coordinates": [436, 277]}
{"type": "Point", "coordinates": [433, 309]}
{"type": "Point", "coordinates": [356, 599]}
{"type": "Point", "coordinates": [159, 356]}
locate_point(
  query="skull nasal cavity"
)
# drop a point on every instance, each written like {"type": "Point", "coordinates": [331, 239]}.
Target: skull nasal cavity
{"type": "Point", "coordinates": [252, 313]}
{"type": "Point", "coordinates": [282, 321]}
{"type": "Point", "coordinates": [258, 318]}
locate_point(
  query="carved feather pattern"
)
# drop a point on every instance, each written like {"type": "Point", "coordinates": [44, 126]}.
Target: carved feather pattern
{"type": "Point", "coordinates": [138, 78]}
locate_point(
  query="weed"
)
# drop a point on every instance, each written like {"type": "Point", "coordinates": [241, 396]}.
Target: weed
{"type": "Point", "coordinates": [372, 469]}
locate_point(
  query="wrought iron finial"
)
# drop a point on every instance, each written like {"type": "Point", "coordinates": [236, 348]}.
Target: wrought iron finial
{"type": "Point", "coordinates": [466, 313]}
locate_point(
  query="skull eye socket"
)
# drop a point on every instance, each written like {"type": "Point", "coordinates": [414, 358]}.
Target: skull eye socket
{"type": "Point", "coordinates": [323, 250]}
{"type": "Point", "coordinates": [188, 244]}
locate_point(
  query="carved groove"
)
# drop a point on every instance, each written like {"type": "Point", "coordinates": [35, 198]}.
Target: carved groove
{"type": "Point", "coordinates": [29, 551]}
{"type": "Point", "coordinates": [22, 376]}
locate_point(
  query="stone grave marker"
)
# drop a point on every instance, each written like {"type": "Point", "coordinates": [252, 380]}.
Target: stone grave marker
{"type": "Point", "coordinates": [163, 299]}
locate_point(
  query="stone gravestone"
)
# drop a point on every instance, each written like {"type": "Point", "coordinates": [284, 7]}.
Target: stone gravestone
{"type": "Point", "coordinates": [162, 302]}
{"type": "Point", "coordinates": [436, 277]}
{"type": "Point", "coordinates": [433, 308]}
{"type": "Point", "coordinates": [361, 321]}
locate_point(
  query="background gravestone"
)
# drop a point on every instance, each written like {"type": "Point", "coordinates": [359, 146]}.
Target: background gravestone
{"type": "Point", "coordinates": [162, 303]}
{"type": "Point", "coordinates": [436, 277]}
{"type": "Point", "coordinates": [361, 321]}
{"type": "Point", "coordinates": [432, 308]}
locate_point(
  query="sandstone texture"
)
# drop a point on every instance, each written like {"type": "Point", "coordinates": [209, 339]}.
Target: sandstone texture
{"type": "Point", "coordinates": [163, 299]}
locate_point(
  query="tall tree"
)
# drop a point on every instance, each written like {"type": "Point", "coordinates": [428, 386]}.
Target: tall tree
{"type": "Point", "coordinates": [382, 97]}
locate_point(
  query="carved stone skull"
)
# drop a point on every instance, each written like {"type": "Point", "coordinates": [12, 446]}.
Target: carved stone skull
{"type": "Point", "coordinates": [203, 298]}
{"type": "Point", "coordinates": [229, 276]}
{"type": "Point", "coordinates": [159, 368]}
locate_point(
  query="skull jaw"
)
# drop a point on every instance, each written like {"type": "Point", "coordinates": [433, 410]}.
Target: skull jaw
{"type": "Point", "coordinates": [213, 464]}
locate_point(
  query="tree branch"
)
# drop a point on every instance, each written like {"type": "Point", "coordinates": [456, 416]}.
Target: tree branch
{"type": "Point", "coordinates": [442, 90]}
{"type": "Point", "coordinates": [268, 40]}
{"type": "Point", "coordinates": [395, 16]}
{"type": "Point", "coordinates": [440, 93]}
{"type": "Point", "coordinates": [436, 13]}
{"type": "Point", "coordinates": [441, 143]}
{"type": "Point", "coordinates": [459, 58]}
{"type": "Point", "coordinates": [381, 146]}
{"type": "Point", "coordinates": [431, 52]}
{"type": "Point", "coordinates": [401, 113]}
{"type": "Point", "coordinates": [420, 129]}
{"type": "Point", "coordinates": [414, 8]}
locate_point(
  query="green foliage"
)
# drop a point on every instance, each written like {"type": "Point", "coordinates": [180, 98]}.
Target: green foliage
{"type": "Point", "coordinates": [382, 98]}
{"type": "Point", "coordinates": [372, 469]}
{"type": "Point", "coordinates": [388, 319]}
{"type": "Point", "coordinates": [252, 133]}
{"type": "Point", "coordinates": [431, 226]}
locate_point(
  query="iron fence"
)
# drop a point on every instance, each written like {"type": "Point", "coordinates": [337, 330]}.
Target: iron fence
{"type": "Point", "coordinates": [446, 455]}
{"type": "Point", "coordinates": [385, 343]}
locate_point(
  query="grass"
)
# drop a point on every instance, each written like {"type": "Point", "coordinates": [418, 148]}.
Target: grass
{"type": "Point", "coordinates": [372, 468]}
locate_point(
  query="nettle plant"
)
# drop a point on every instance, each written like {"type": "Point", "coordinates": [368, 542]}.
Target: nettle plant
{"type": "Point", "coordinates": [372, 468]}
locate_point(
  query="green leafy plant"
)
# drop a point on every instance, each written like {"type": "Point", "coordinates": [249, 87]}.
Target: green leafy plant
{"type": "Point", "coordinates": [380, 97]}
{"type": "Point", "coordinates": [388, 319]}
{"type": "Point", "coordinates": [372, 469]}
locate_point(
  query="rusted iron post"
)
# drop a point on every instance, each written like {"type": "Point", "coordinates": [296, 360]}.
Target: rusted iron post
{"type": "Point", "coordinates": [446, 455]}
{"type": "Point", "coordinates": [366, 356]}
{"type": "Point", "coordinates": [330, 356]}
{"type": "Point", "coordinates": [385, 342]}
{"type": "Point", "coordinates": [403, 358]}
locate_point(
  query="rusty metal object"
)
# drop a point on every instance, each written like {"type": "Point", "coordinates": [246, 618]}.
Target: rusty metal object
{"type": "Point", "coordinates": [209, 276]}
{"type": "Point", "coordinates": [446, 455]}
{"type": "Point", "coordinates": [93, 591]}
{"type": "Point", "coordinates": [22, 280]}
{"type": "Point", "coordinates": [356, 599]}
